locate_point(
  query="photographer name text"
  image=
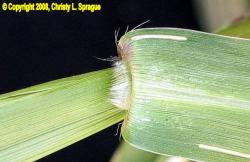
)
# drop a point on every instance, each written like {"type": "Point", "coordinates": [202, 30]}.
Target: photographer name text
{"type": "Point", "coordinates": [48, 7]}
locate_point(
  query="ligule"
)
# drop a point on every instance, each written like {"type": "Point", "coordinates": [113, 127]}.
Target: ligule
{"type": "Point", "coordinates": [120, 89]}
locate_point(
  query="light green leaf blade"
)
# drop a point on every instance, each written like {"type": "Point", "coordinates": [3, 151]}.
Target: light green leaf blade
{"type": "Point", "coordinates": [42, 119]}
{"type": "Point", "coordinates": [190, 93]}
{"type": "Point", "coordinates": [239, 28]}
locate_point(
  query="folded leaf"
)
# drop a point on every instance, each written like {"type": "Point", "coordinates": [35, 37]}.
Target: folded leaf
{"type": "Point", "coordinates": [189, 93]}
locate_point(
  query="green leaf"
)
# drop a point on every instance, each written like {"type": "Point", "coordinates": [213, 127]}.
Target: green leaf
{"type": "Point", "coordinates": [190, 93]}
{"type": "Point", "coordinates": [42, 119]}
{"type": "Point", "coordinates": [239, 28]}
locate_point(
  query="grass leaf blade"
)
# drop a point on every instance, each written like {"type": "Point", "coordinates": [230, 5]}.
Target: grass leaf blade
{"type": "Point", "coordinates": [42, 119]}
{"type": "Point", "coordinates": [191, 94]}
